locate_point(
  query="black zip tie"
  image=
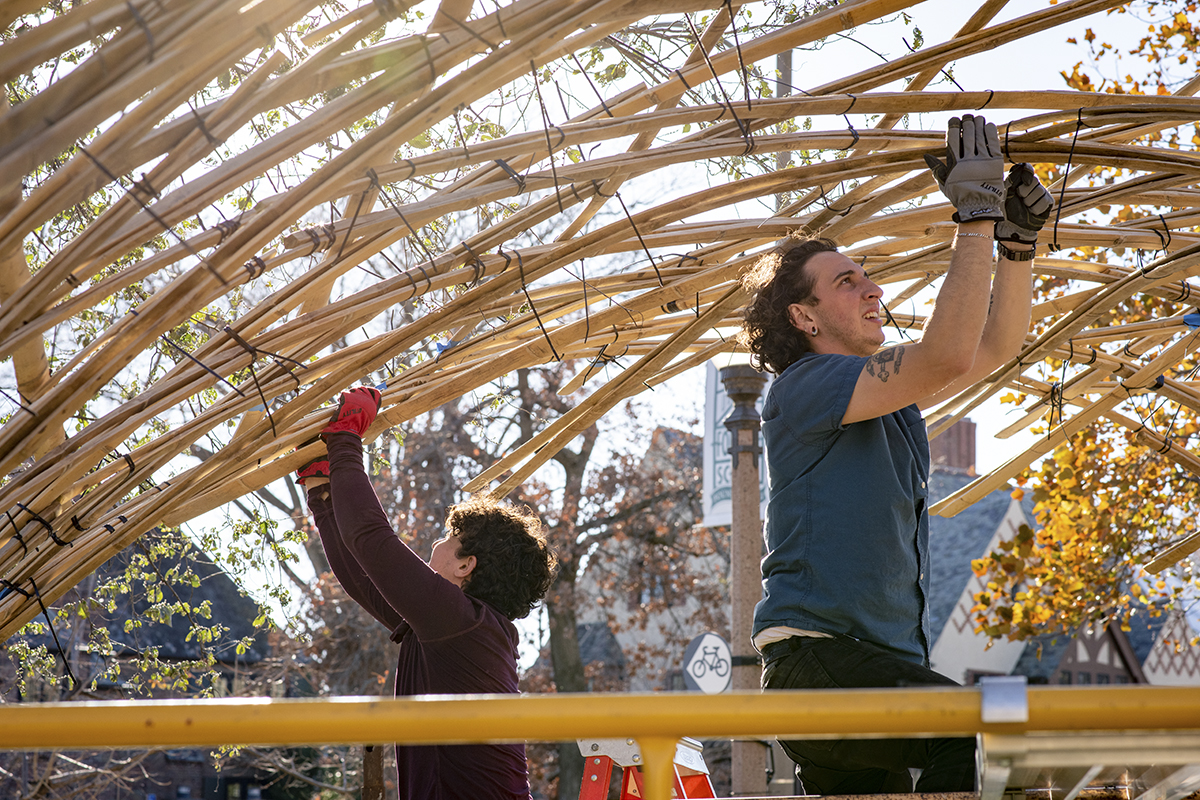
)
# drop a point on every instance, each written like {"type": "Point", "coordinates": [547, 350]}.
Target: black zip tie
{"type": "Point", "coordinates": [1186, 293]}
{"type": "Point", "coordinates": [276, 357]}
{"type": "Point", "coordinates": [429, 58]}
{"type": "Point", "coordinates": [737, 45]}
{"type": "Point", "coordinates": [462, 136]}
{"type": "Point", "coordinates": [986, 103]}
{"type": "Point", "coordinates": [466, 28]}
{"type": "Point", "coordinates": [122, 518]}
{"type": "Point", "coordinates": [1165, 242]}
{"type": "Point", "coordinates": [71, 279]}
{"type": "Point", "coordinates": [1094, 354]}
{"type": "Point", "coordinates": [500, 22]}
{"type": "Point", "coordinates": [687, 87]}
{"type": "Point", "coordinates": [596, 185]}
{"type": "Point", "coordinates": [212, 140]}
{"type": "Point", "coordinates": [46, 525]}
{"type": "Point", "coordinates": [1071, 349]}
{"type": "Point", "coordinates": [129, 461]}
{"type": "Point", "coordinates": [152, 214]}
{"type": "Point", "coordinates": [412, 170]}
{"type": "Point", "coordinates": [1127, 352]}
{"type": "Point", "coordinates": [745, 131]}
{"type": "Point", "coordinates": [1056, 406]}
{"type": "Point", "coordinates": [853, 145]}
{"type": "Point", "coordinates": [476, 262]}
{"type": "Point", "coordinates": [362, 198]}
{"type": "Point", "coordinates": [19, 404]}
{"type": "Point", "coordinates": [912, 49]}
{"type": "Point", "coordinates": [255, 266]}
{"type": "Point", "coordinates": [387, 199]}
{"type": "Point", "coordinates": [66, 664]}
{"type": "Point", "coordinates": [1062, 191]}
{"type": "Point", "coordinates": [109, 528]}
{"type": "Point", "coordinates": [144, 186]}
{"type": "Point", "coordinates": [226, 228]}
{"type": "Point", "coordinates": [533, 308]}
{"type": "Point", "coordinates": [316, 240]}
{"type": "Point", "coordinates": [849, 108]}
{"type": "Point", "coordinates": [76, 525]}
{"type": "Point", "coordinates": [638, 233]}
{"type": "Point", "coordinates": [1007, 131]}
{"type": "Point", "coordinates": [599, 96]}
{"type": "Point", "coordinates": [17, 533]}
{"type": "Point", "coordinates": [546, 121]}
{"type": "Point", "coordinates": [512, 173]}
{"type": "Point", "coordinates": [892, 321]}
{"type": "Point", "coordinates": [204, 366]}
{"type": "Point", "coordinates": [12, 587]}
{"type": "Point", "coordinates": [145, 29]}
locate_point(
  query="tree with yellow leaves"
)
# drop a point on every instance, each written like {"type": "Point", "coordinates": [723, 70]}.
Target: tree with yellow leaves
{"type": "Point", "coordinates": [1113, 497]}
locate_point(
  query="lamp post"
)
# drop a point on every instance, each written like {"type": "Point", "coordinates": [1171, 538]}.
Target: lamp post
{"type": "Point", "coordinates": [744, 385]}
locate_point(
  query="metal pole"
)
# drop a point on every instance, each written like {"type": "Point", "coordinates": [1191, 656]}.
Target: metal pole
{"type": "Point", "coordinates": [744, 386]}
{"type": "Point", "coordinates": [783, 88]}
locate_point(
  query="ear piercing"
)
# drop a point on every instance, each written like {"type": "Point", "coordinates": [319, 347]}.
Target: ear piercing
{"type": "Point", "coordinates": [814, 330]}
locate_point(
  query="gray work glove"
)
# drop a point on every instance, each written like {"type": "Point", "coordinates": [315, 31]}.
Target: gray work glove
{"type": "Point", "coordinates": [973, 175]}
{"type": "Point", "coordinates": [1027, 206]}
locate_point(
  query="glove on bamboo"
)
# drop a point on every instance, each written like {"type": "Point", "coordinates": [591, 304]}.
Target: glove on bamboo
{"type": "Point", "coordinates": [973, 175]}
{"type": "Point", "coordinates": [1027, 206]}
{"type": "Point", "coordinates": [356, 411]}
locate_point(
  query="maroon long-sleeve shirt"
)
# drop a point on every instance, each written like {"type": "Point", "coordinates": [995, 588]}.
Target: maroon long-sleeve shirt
{"type": "Point", "coordinates": [450, 643]}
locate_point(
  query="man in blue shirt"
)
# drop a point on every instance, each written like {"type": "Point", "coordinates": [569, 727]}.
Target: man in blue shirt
{"type": "Point", "coordinates": [846, 574]}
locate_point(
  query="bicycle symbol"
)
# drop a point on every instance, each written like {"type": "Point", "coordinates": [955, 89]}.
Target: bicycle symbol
{"type": "Point", "coordinates": [710, 660]}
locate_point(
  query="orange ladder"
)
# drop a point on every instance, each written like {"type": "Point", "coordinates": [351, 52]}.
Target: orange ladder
{"type": "Point", "coordinates": [600, 755]}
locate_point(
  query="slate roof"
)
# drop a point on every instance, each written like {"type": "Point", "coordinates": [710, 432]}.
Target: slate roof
{"type": "Point", "coordinates": [1039, 660]}
{"type": "Point", "coordinates": [1143, 632]}
{"type": "Point", "coordinates": [955, 541]}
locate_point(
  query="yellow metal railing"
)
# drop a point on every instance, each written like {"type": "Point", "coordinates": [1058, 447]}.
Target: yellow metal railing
{"type": "Point", "coordinates": [657, 721]}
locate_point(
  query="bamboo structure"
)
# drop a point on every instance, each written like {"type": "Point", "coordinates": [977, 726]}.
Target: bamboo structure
{"type": "Point", "coordinates": [157, 129]}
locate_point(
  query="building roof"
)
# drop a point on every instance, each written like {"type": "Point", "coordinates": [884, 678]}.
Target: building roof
{"type": "Point", "coordinates": [955, 541]}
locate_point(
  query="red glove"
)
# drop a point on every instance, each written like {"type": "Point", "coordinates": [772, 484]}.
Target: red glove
{"type": "Point", "coordinates": [356, 411]}
{"type": "Point", "coordinates": [317, 468]}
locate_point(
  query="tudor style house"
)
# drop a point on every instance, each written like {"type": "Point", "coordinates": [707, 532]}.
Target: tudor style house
{"type": "Point", "coordinates": [1155, 650]}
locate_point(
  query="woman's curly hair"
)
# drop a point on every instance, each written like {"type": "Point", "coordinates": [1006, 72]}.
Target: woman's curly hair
{"type": "Point", "coordinates": [777, 280]}
{"type": "Point", "coordinates": [514, 565]}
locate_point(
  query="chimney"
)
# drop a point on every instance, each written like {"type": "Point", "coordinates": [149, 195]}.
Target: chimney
{"type": "Point", "coordinates": [955, 449]}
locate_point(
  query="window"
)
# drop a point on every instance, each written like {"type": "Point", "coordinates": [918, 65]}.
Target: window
{"type": "Point", "coordinates": [1122, 679]}
{"type": "Point", "coordinates": [1101, 678]}
{"type": "Point", "coordinates": [1085, 677]}
{"type": "Point", "coordinates": [1064, 677]}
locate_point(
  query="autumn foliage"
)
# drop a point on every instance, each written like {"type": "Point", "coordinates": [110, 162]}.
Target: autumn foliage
{"type": "Point", "coordinates": [1104, 502]}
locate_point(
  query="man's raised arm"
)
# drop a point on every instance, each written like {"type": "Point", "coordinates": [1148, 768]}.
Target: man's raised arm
{"type": "Point", "coordinates": [973, 180]}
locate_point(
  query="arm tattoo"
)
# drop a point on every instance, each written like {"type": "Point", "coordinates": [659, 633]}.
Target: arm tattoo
{"type": "Point", "coordinates": [885, 363]}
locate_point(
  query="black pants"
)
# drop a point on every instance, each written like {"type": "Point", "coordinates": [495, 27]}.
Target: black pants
{"type": "Point", "coordinates": [864, 766]}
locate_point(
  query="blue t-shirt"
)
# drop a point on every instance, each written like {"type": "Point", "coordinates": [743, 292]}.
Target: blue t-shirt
{"type": "Point", "coordinates": [847, 530]}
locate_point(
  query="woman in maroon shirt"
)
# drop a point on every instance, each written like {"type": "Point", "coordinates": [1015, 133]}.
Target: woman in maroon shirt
{"type": "Point", "coordinates": [452, 616]}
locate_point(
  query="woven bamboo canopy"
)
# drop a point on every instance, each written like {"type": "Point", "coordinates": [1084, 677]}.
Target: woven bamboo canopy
{"type": "Point", "coordinates": [125, 132]}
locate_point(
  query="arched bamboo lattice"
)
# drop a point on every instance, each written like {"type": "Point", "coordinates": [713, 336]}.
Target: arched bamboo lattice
{"type": "Point", "coordinates": [73, 499]}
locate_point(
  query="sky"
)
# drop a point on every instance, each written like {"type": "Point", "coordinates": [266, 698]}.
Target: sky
{"type": "Point", "coordinates": [1033, 63]}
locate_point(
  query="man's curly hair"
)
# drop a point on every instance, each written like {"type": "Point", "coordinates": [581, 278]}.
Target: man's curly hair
{"type": "Point", "coordinates": [514, 565]}
{"type": "Point", "coordinates": [777, 280]}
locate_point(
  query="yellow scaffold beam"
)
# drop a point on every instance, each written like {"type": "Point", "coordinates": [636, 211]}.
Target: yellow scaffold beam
{"type": "Point", "coordinates": [656, 720]}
